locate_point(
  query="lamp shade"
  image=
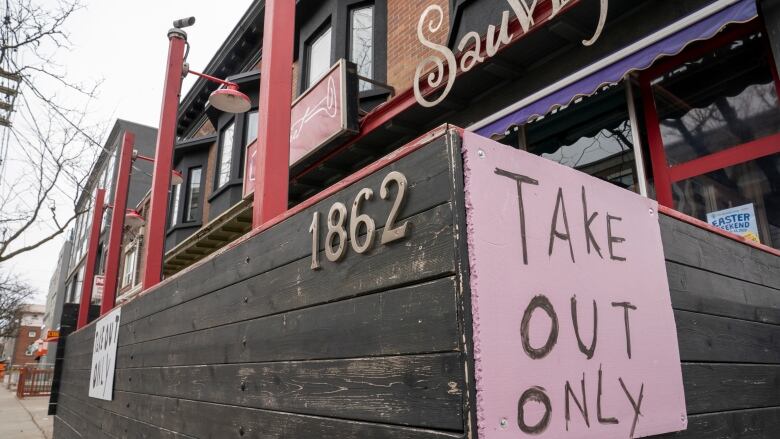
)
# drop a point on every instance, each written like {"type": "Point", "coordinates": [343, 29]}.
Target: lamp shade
{"type": "Point", "coordinates": [176, 178]}
{"type": "Point", "coordinates": [230, 100]}
{"type": "Point", "coordinates": [134, 219]}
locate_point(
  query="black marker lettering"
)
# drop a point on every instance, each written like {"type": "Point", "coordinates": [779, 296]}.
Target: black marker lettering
{"type": "Point", "coordinates": [626, 306]}
{"type": "Point", "coordinates": [554, 233]}
{"type": "Point", "coordinates": [601, 419]}
{"type": "Point", "coordinates": [636, 404]}
{"type": "Point", "coordinates": [588, 220]}
{"type": "Point", "coordinates": [613, 239]}
{"type": "Point", "coordinates": [583, 407]}
{"type": "Point", "coordinates": [544, 304]}
{"type": "Point", "coordinates": [520, 179]}
{"type": "Point", "coordinates": [534, 394]}
{"type": "Point", "coordinates": [588, 351]}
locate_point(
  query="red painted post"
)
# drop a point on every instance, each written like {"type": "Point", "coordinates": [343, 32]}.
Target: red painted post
{"type": "Point", "coordinates": [117, 222]}
{"type": "Point", "coordinates": [161, 180]}
{"type": "Point", "coordinates": [89, 269]}
{"type": "Point", "coordinates": [272, 163]}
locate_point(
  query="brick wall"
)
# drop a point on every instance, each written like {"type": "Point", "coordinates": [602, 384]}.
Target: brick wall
{"type": "Point", "coordinates": [23, 341]}
{"type": "Point", "coordinates": [404, 50]}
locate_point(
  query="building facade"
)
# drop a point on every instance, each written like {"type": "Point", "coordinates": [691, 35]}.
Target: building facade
{"type": "Point", "coordinates": [24, 350]}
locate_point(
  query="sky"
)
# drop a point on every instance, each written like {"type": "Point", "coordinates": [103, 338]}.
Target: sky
{"type": "Point", "coordinates": [124, 45]}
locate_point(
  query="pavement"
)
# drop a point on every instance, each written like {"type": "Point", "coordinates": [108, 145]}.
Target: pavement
{"type": "Point", "coordinates": [26, 418]}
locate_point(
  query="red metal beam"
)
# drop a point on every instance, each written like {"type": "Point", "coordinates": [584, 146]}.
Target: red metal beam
{"type": "Point", "coordinates": [272, 162]}
{"type": "Point", "coordinates": [117, 223]}
{"type": "Point", "coordinates": [161, 180]}
{"type": "Point", "coordinates": [89, 269]}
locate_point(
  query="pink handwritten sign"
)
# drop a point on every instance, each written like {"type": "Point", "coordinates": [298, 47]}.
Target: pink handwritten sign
{"type": "Point", "coordinates": [574, 335]}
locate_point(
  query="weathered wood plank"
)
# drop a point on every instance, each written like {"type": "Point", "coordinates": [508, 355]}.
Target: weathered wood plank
{"type": "Point", "coordinates": [690, 245]}
{"type": "Point", "coordinates": [411, 320]}
{"type": "Point", "coordinates": [429, 183]}
{"type": "Point", "coordinates": [706, 338]}
{"type": "Point", "coordinates": [419, 391]}
{"type": "Point", "coordinates": [761, 423]}
{"type": "Point", "coordinates": [426, 254]}
{"type": "Point", "coordinates": [218, 421]}
{"type": "Point", "coordinates": [710, 293]}
{"type": "Point", "coordinates": [726, 387]}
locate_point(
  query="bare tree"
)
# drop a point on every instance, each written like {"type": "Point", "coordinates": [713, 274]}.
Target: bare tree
{"type": "Point", "coordinates": [13, 296]}
{"type": "Point", "coordinates": [46, 145]}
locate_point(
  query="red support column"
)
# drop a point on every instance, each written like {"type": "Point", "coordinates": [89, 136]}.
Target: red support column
{"type": "Point", "coordinates": [272, 163]}
{"type": "Point", "coordinates": [161, 180]}
{"type": "Point", "coordinates": [89, 269]}
{"type": "Point", "coordinates": [117, 222]}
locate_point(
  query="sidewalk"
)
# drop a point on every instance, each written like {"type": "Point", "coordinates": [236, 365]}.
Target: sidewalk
{"type": "Point", "coordinates": [24, 419]}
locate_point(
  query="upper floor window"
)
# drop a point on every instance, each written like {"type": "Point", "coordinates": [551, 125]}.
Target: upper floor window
{"type": "Point", "coordinates": [251, 127]}
{"type": "Point", "coordinates": [361, 42]}
{"type": "Point", "coordinates": [318, 56]}
{"type": "Point", "coordinates": [176, 192]}
{"type": "Point", "coordinates": [128, 275]}
{"type": "Point", "coordinates": [225, 155]}
{"type": "Point", "coordinates": [192, 209]}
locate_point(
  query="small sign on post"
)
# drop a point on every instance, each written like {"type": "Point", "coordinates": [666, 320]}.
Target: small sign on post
{"type": "Point", "coordinates": [101, 376]}
{"type": "Point", "coordinates": [97, 288]}
{"type": "Point", "coordinates": [574, 334]}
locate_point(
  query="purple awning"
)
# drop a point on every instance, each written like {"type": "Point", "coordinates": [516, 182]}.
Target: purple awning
{"type": "Point", "coordinates": [739, 12]}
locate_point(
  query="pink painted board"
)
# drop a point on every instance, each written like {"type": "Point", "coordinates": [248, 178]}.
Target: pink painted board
{"type": "Point", "coordinates": [515, 379]}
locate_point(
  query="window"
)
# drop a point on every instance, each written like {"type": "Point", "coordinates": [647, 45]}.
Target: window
{"type": "Point", "coordinates": [175, 195]}
{"type": "Point", "coordinates": [32, 334]}
{"type": "Point", "coordinates": [251, 127]}
{"type": "Point", "coordinates": [225, 155]}
{"type": "Point", "coordinates": [361, 42]}
{"type": "Point", "coordinates": [192, 209]}
{"type": "Point", "coordinates": [318, 56]}
{"type": "Point", "coordinates": [30, 350]}
{"type": "Point", "coordinates": [713, 123]}
{"type": "Point", "coordinates": [128, 275]}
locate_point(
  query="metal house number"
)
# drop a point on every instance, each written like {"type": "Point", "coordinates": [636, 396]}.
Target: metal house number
{"type": "Point", "coordinates": [337, 220]}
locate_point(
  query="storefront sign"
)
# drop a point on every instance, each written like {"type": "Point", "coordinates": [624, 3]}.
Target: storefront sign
{"type": "Point", "coordinates": [52, 334]}
{"type": "Point", "coordinates": [101, 376]}
{"type": "Point", "coordinates": [97, 288]}
{"type": "Point", "coordinates": [325, 113]}
{"type": "Point", "coordinates": [445, 66]}
{"type": "Point", "coordinates": [574, 335]}
{"type": "Point", "coordinates": [739, 220]}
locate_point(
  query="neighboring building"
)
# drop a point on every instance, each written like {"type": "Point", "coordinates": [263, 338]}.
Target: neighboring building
{"type": "Point", "coordinates": [56, 297]}
{"type": "Point", "coordinates": [30, 329]}
{"type": "Point", "coordinates": [103, 175]}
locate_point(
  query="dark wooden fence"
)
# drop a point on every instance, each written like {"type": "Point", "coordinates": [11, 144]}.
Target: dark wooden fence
{"type": "Point", "coordinates": [254, 343]}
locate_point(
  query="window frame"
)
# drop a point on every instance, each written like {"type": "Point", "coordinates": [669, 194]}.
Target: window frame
{"type": "Point", "coordinates": [664, 174]}
{"type": "Point", "coordinates": [307, 47]}
{"type": "Point", "coordinates": [133, 250]}
{"type": "Point", "coordinates": [188, 196]}
{"type": "Point", "coordinates": [233, 121]}
{"type": "Point", "coordinates": [350, 42]}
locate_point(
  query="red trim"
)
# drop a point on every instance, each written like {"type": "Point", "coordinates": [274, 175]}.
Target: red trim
{"type": "Point", "coordinates": [272, 161]}
{"type": "Point", "coordinates": [723, 159]}
{"type": "Point", "coordinates": [89, 269]}
{"type": "Point", "coordinates": [117, 223]}
{"type": "Point", "coordinates": [161, 178]}
{"type": "Point", "coordinates": [710, 228]}
{"type": "Point", "coordinates": [663, 183]}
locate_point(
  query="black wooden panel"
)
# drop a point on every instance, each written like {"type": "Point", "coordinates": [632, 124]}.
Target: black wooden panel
{"type": "Point", "coordinates": [711, 293]}
{"type": "Point", "coordinates": [422, 391]}
{"type": "Point", "coordinates": [426, 254]}
{"type": "Point", "coordinates": [743, 424]}
{"type": "Point", "coordinates": [63, 430]}
{"type": "Point", "coordinates": [415, 319]}
{"type": "Point", "coordinates": [725, 387]}
{"type": "Point", "coordinates": [690, 245]}
{"type": "Point", "coordinates": [429, 180]}
{"type": "Point", "coordinates": [706, 338]}
{"type": "Point", "coordinates": [218, 421]}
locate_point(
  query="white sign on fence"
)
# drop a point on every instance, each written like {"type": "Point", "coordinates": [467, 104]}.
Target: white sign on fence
{"type": "Point", "coordinates": [101, 376]}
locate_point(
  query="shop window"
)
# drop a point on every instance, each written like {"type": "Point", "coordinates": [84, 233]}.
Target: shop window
{"type": "Point", "coordinates": [128, 275]}
{"type": "Point", "coordinates": [175, 196]}
{"type": "Point", "coordinates": [192, 209]}
{"type": "Point", "coordinates": [593, 135]}
{"type": "Point", "coordinates": [713, 124]}
{"type": "Point", "coordinates": [361, 42]}
{"type": "Point", "coordinates": [318, 56]}
{"type": "Point", "coordinates": [225, 162]}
